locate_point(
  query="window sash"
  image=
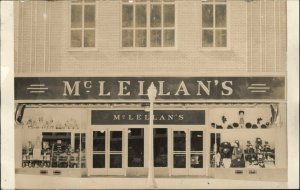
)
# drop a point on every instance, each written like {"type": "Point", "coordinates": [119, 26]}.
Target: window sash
{"type": "Point", "coordinates": [148, 28]}
{"type": "Point", "coordinates": [214, 28]}
{"type": "Point", "coordinates": [85, 40]}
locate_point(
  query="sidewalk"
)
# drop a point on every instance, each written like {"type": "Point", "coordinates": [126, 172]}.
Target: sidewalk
{"type": "Point", "coordinates": [56, 182]}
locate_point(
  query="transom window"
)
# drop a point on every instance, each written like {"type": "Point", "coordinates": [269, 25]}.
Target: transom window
{"type": "Point", "coordinates": [83, 13]}
{"type": "Point", "coordinates": [148, 23]}
{"type": "Point", "coordinates": [214, 23]}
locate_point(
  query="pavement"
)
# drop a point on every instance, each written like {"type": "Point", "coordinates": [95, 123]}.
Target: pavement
{"type": "Point", "coordinates": [23, 181]}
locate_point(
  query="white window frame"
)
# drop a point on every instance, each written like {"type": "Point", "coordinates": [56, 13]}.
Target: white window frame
{"type": "Point", "coordinates": [82, 28]}
{"type": "Point", "coordinates": [214, 47]}
{"type": "Point", "coordinates": [148, 28]}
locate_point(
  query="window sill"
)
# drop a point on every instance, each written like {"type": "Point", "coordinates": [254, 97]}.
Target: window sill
{"type": "Point", "coordinates": [82, 49]}
{"type": "Point", "coordinates": [146, 49]}
{"type": "Point", "coordinates": [215, 49]}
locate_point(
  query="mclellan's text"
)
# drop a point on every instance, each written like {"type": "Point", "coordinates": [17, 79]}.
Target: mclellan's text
{"type": "Point", "coordinates": [203, 87]}
{"type": "Point", "coordinates": [135, 88]}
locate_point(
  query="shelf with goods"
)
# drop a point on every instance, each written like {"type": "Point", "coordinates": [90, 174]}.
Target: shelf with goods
{"type": "Point", "coordinates": [246, 138]}
{"type": "Point", "coordinates": [42, 129]}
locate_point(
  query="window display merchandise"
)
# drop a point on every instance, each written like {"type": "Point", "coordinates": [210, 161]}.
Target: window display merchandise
{"type": "Point", "coordinates": [51, 140]}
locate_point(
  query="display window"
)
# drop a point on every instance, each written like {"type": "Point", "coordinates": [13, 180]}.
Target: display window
{"type": "Point", "coordinates": [51, 138]}
{"type": "Point", "coordinates": [247, 137]}
{"type": "Point", "coordinates": [100, 144]}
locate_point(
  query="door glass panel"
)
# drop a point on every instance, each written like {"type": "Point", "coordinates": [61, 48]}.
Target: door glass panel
{"type": "Point", "coordinates": [179, 161]}
{"type": "Point", "coordinates": [98, 141]}
{"type": "Point", "coordinates": [135, 147]}
{"type": "Point", "coordinates": [160, 147]}
{"type": "Point", "coordinates": [196, 160]}
{"type": "Point", "coordinates": [99, 161]}
{"type": "Point", "coordinates": [116, 141]}
{"type": "Point", "coordinates": [196, 140]}
{"type": "Point", "coordinates": [179, 140]}
{"type": "Point", "coordinates": [115, 161]}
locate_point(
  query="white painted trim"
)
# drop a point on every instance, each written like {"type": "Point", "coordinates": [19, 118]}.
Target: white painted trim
{"type": "Point", "coordinates": [31, 37]}
{"type": "Point", "coordinates": [49, 38]}
{"type": "Point", "coordinates": [247, 61]}
{"type": "Point", "coordinates": [35, 35]}
{"type": "Point", "coordinates": [260, 35]}
{"type": "Point", "coordinates": [275, 35]}
{"type": "Point", "coordinates": [265, 68]}
{"type": "Point", "coordinates": [191, 101]}
{"type": "Point", "coordinates": [45, 32]}
{"type": "Point", "coordinates": [22, 62]}
{"type": "Point", "coordinates": [134, 74]}
{"type": "Point", "coordinates": [251, 37]}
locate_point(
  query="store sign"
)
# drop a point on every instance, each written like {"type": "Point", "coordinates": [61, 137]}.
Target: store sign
{"type": "Point", "coordinates": [135, 88]}
{"type": "Point", "coordinates": [141, 117]}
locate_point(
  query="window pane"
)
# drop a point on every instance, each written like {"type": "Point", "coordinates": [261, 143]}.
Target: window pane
{"type": "Point", "coordinates": [89, 1]}
{"type": "Point", "coordinates": [77, 141]}
{"type": "Point", "coordinates": [220, 15]}
{"type": "Point", "coordinates": [89, 16]}
{"type": "Point", "coordinates": [115, 161]}
{"type": "Point", "coordinates": [98, 141]}
{"type": "Point", "coordinates": [155, 38]}
{"type": "Point", "coordinates": [207, 38]}
{"type": "Point", "coordinates": [116, 141]}
{"type": "Point", "coordinates": [140, 16]}
{"type": "Point", "coordinates": [76, 16]}
{"type": "Point", "coordinates": [127, 38]}
{"type": "Point", "coordinates": [155, 16]}
{"type": "Point", "coordinates": [160, 148]}
{"type": "Point", "coordinates": [169, 15]}
{"type": "Point", "coordinates": [207, 16]}
{"type": "Point", "coordinates": [220, 0]}
{"type": "Point", "coordinates": [83, 160]}
{"type": "Point", "coordinates": [221, 39]}
{"type": "Point", "coordinates": [135, 147]}
{"type": "Point", "coordinates": [179, 140]}
{"type": "Point", "coordinates": [83, 142]}
{"type": "Point", "coordinates": [98, 161]}
{"type": "Point", "coordinates": [196, 141]}
{"type": "Point", "coordinates": [76, 38]}
{"type": "Point", "coordinates": [196, 161]}
{"type": "Point", "coordinates": [169, 38]}
{"type": "Point", "coordinates": [127, 16]}
{"type": "Point", "coordinates": [140, 38]}
{"type": "Point", "coordinates": [179, 161]}
{"type": "Point", "coordinates": [89, 38]}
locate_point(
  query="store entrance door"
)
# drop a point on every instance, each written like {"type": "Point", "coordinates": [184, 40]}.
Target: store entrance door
{"type": "Point", "coordinates": [107, 152]}
{"type": "Point", "coordinates": [187, 152]}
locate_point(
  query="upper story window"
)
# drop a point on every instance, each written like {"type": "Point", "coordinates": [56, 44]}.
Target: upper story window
{"type": "Point", "coordinates": [83, 26]}
{"type": "Point", "coordinates": [214, 23]}
{"type": "Point", "coordinates": [148, 23]}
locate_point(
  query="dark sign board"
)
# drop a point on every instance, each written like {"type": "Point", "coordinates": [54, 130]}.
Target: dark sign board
{"type": "Point", "coordinates": [141, 117]}
{"type": "Point", "coordinates": [135, 88]}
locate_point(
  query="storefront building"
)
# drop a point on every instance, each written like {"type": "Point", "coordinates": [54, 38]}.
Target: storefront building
{"type": "Point", "coordinates": [82, 106]}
